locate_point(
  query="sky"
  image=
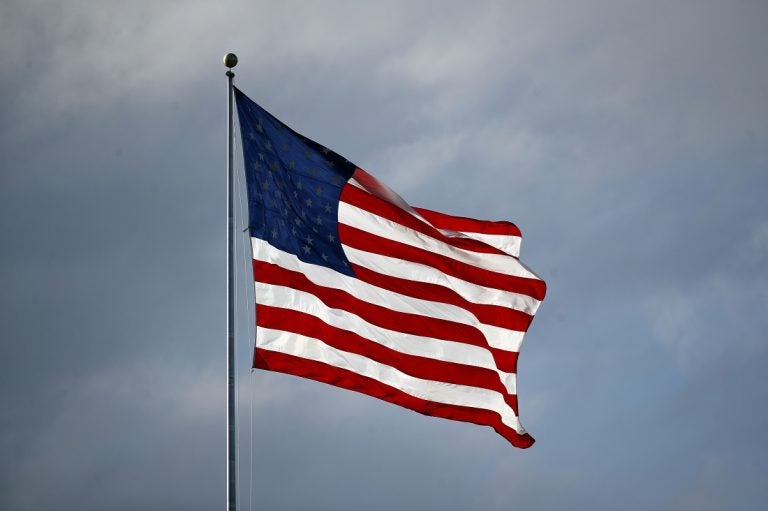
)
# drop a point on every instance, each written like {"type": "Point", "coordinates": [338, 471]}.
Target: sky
{"type": "Point", "coordinates": [627, 140]}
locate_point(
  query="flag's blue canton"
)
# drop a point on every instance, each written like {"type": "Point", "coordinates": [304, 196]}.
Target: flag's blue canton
{"type": "Point", "coordinates": [294, 186]}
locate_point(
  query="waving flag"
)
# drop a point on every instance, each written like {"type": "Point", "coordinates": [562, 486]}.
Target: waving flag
{"type": "Point", "coordinates": [357, 289]}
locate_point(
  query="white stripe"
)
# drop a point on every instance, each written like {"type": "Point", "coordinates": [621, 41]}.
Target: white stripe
{"type": "Point", "coordinates": [438, 392]}
{"type": "Point", "coordinates": [504, 242]}
{"type": "Point", "coordinates": [424, 273]}
{"type": "Point", "coordinates": [354, 182]}
{"type": "Point", "coordinates": [386, 194]}
{"type": "Point", "coordinates": [497, 337]}
{"type": "Point", "coordinates": [427, 347]}
{"type": "Point", "coordinates": [361, 219]}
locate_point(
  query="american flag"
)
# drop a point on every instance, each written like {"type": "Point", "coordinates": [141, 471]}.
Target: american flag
{"type": "Point", "coordinates": [357, 289]}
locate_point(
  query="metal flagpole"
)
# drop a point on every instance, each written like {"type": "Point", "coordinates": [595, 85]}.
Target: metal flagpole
{"type": "Point", "coordinates": [230, 60]}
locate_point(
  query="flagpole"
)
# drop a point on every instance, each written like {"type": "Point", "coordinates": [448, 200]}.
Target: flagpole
{"type": "Point", "coordinates": [230, 60]}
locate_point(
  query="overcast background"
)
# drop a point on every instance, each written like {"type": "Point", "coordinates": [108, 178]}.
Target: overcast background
{"type": "Point", "coordinates": [628, 140]}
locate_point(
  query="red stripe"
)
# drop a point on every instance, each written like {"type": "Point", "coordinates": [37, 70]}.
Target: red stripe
{"type": "Point", "coordinates": [344, 378]}
{"type": "Point", "coordinates": [410, 323]}
{"type": "Point", "coordinates": [368, 242]}
{"type": "Point", "coordinates": [360, 198]}
{"type": "Point", "coordinates": [288, 320]}
{"type": "Point", "coordinates": [464, 224]}
{"type": "Point", "coordinates": [405, 322]}
{"type": "Point", "coordinates": [496, 315]}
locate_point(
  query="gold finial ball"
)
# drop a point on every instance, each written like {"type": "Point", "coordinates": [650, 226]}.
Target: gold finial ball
{"type": "Point", "coordinates": [230, 60]}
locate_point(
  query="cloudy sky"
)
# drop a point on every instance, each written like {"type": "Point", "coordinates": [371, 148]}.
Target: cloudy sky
{"type": "Point", "coordinates": [628, 140]}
